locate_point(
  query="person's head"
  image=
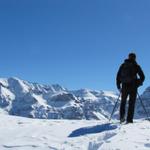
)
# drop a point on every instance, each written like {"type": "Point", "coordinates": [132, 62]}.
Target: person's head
{"type": "Point", "coordinates": [132, 56]}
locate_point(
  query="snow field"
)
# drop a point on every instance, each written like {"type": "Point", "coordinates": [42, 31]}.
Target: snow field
{"type": "Point", "coordinates": [19, 133]}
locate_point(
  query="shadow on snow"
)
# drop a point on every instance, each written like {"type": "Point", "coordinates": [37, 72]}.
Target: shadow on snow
{"type": "Point", "coordinates": [92, 130]}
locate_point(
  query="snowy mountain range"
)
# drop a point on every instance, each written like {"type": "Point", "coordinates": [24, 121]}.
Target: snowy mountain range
{"type": "Point", "coordinates": [22, 98]}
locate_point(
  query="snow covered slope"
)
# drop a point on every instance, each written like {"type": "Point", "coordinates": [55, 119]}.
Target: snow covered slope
{"type": "Point", "coordinates": [145, 98]}
{"type": "Point", "coordinates": [28, 134]}
{"type": "Point", "coordinates": [22, 98]}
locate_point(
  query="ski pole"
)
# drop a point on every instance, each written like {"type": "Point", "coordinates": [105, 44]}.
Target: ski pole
{"type": "Point", "coordinates": [114, 107]}
{"type": "Point", "coordinates": [143, 107]}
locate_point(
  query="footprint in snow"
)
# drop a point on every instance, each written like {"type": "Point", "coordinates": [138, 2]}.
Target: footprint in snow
{"type": "Point", "coordinates": [20, 123]}
{"type": "Point", "coordinates": [147, 145]}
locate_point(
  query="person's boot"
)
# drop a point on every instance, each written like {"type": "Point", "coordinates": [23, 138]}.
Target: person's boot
{"type": "Point", "coordinates": [129, 121]}
{"type": "Point", "coordinates": [122, 120]}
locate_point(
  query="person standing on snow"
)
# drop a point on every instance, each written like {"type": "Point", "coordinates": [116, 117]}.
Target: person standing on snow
{"type": "Point", "coordinates": [129, 77]}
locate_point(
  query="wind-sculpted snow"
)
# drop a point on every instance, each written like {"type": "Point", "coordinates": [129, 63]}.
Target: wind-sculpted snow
{"type": "Point", "coordinates": [22, 98]}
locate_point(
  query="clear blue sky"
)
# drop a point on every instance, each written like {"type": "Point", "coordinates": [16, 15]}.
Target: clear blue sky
{"type": "Point", "coordinates": [75, 43]}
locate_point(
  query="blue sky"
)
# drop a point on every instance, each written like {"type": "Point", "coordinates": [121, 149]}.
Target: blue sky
{"type": "Point", "coordinates": [75, 43]}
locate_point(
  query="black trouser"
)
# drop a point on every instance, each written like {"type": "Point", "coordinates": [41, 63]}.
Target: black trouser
{"type": "Point", "coordinates": [131, 91]}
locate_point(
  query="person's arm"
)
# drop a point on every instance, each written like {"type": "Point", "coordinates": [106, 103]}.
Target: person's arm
{"type": "Point", "coordinates": [141, 75]}
{"type": "Point", "coordinates": [118, 82]}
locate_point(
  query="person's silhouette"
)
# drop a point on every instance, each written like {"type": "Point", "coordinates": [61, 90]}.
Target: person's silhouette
{"type": "Point", "coordinates": [129, 77]}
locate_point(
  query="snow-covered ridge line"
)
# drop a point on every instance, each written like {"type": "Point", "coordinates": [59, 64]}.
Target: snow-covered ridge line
{"type": "Point", "coordinates": [23, 98]}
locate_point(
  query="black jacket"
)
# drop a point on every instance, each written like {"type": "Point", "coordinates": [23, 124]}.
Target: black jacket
{"type": "Point", "coordinates": [138, 73]}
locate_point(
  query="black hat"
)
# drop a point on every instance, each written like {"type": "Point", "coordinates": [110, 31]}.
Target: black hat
{"type": "Point", "coordinates": [132, 56]}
